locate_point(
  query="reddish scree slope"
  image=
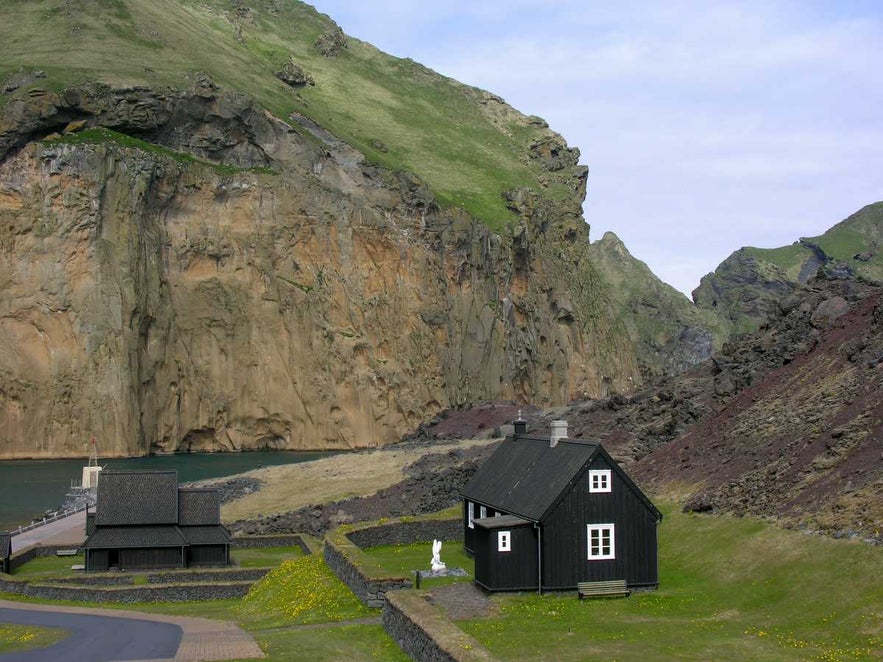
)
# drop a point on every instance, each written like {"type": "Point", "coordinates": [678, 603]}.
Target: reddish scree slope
{"type": "Point", "coordinates": [802, 443]}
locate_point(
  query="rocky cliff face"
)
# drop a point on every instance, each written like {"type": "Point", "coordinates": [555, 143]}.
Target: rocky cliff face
{"type": "Point", "coordinates": [233, 283]}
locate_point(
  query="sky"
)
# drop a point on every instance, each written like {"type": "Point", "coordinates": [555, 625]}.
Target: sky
{"type": "Point", "coordinates": [706, 126]}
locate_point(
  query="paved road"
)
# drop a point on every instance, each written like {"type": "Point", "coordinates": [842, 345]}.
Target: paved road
{"type": "Point", "coordinates": [95, 638]}
{"type": "Point", "coordinates": [202, 638]}
{"type": "Point", "coordinates": [69, 530]}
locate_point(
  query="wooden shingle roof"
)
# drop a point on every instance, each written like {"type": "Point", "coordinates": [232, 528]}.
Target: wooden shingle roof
{"type": "Point", "coordinates": [524, 476]}
{"type": "Point", "coordinates": [206, 535]}
{"type": "Point", "coordinates": [198, 507]}
{"type": "Point", "coordinates": [135, 536]}
{"type": "Point", "coordinates": [137, 498]}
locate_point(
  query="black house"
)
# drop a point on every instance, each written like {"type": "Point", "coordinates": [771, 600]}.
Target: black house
{"type": "Point", "coordinates": [548, 512]}
{"type": "Point", "coordinates": [144, 520]}
{"type": "Point", "coordinates": [5, 551]}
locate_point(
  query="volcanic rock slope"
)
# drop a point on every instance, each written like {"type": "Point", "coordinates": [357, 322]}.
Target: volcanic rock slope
{"type": "Point", "coordinates": [785, 422]}
{"type": "Point", "coordinates": [226, 225]}
{"type": "Point", "coordinates": [801, 442]}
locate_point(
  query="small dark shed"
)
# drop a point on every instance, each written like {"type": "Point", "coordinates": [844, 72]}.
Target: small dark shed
{"type": "Point", "coordinates": [5, 551]}
{"type": "Point", "coordinates": [144, 520]}
{"type": "Point", "coordinates": [548, 512]}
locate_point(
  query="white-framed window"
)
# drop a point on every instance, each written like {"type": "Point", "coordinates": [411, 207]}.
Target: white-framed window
{"type": "Point", "coordinates": [482, 511]}
{"type": "Point", "coordinates": [601, 542]}
{"type": "Point", "coordinates": [470, 514]}
{"type": "Point", "coordinates": [504, 541]}
{"type": "Point", "coordinates": [599, 480]}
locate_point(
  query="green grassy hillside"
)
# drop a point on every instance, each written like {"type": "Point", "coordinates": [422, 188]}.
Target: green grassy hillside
{"type": "Point", "coordinates": [746, 287]}
{"type": "Point", "coordinates": [671, 334]}
{"type": "Point", "coordinates": [467, 145]}
{"type": "Point", "coordinates": [856, 242]}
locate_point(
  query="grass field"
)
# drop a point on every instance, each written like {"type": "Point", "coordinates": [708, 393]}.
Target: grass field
{"type": "Point", "coordinates": [730, 589]}
{"type": "Point", "coordinates": [14, 638]}
{"type": "Point", "coordinates": [402, 560]}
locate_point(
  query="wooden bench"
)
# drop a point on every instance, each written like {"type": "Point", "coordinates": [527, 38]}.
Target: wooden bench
{"type": "Point", "coordinates": [613, 588]}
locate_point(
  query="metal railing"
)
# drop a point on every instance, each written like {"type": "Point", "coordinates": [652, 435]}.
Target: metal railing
{"type": "Point", "coordinates": [47, 520]}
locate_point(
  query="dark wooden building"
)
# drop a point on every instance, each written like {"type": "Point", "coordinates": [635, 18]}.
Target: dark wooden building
{"type": "Point", "coordinates": [142, 519]}
{"type": "Point", "coordinates": [547, 512]}
{"type": "Point", "coordinates": [5, 551]}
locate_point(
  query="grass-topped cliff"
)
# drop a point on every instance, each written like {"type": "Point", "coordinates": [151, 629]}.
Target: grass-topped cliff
{"type": "Point", "coordinates": [466, 144]}
{"type": "Point", "coordinates": [747, 286]}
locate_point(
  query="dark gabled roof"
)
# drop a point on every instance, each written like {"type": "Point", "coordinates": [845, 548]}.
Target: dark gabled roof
{"type": "Point", "coordinates": [137, 498]}
{"type": "Point", "coordinates": [500, 521]}
{"type": "Point", "coordinates": [198, 507]}
{"type": "Point", "coordinates": [525, 476]}
{"type": "Point", "coordinates": [5, 545]}
{"type": "Point", "coordinates": [205, 535]}
{"type": "Point", "coordinates": [109, 537]}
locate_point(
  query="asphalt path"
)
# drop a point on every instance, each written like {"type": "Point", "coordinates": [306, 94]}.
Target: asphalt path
{"type": "Point", "coordinates": [95, 638]}
{"type": "Point", "coordinates": [70, 530]}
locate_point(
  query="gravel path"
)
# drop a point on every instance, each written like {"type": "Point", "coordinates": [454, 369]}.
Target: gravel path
{"type": "Point", "coordinates": [462, 600]}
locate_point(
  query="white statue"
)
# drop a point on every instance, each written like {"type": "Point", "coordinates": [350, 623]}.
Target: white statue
{"type": "Point", "coordinates": [436, 556]}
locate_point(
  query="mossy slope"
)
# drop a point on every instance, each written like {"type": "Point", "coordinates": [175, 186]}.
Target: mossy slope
{"type": "Point", "coordinates": [466, 144]}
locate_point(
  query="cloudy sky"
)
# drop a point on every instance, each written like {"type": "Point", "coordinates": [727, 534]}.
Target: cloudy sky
{"type": "Point", "coordinates": [706, 126]}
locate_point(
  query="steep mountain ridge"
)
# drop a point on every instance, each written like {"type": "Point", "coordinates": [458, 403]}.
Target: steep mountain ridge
{"type": "Point", "coordinates": [670, 333]}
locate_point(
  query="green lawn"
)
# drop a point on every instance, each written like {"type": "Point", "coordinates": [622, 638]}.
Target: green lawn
{"type": "Point", "coordinates": [263, 557]}
{"type": "Point", "coordinates": [402, 560]}
{"type": "Point", "coordinates": [731, 589]}
{"type": "Point", "coordinates": [49, 566]}
{"type": "Point", "coordinates": [15, 638]}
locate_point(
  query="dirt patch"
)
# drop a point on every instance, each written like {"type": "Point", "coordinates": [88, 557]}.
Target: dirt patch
{"type": "Point", "coordinates": [463, 600]}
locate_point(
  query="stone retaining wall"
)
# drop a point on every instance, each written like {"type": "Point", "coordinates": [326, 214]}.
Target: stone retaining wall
{"type": "Point", "coordinates": [169, 593]}
{"type": "Point", "coordinates": [83, 579]}
{"type": "Point", "coordinates": [406, 532]}
{"type": "Point", "coordinates": [342, 552]}
{"type": "Point", "coordinates": [278, 540]}
{"type": "Point", "coordinates": [197, 576]}
{"type": "Point", "coordinates": [370, 590]}
{"type": "Point", "coordinates": [425, 634]}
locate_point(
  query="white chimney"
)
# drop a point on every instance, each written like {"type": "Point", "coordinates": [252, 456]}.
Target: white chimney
{"type": "Point", "coordinates": [559, 431]}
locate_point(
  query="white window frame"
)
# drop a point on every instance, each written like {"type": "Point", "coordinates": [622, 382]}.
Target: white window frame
{"type": "Point", "coordinates": [482, 511]}
{"type": "Point", "coordinates": [470, 514]}
{"type": "Point", "coordinates": [600, 480]}
{"type": "Point", "coordinates": [504, 541]}
{"type": "Point", "coordinates": [601, 529]}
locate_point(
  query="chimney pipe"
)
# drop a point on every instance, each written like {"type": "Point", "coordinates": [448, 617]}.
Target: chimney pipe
{"type": "Point", "coordinates": [520, 424]}
{"type": "Point", "coordinates": [559, 431]}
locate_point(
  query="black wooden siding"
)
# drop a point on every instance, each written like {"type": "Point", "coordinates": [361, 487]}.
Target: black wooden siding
{"type": "Point", "coordinates": [207, 555]}
{"type": "Point", "coordinates": [469, 532]}
{"type": "Point", "coordinates": [515, 570]}
{"type": "Point", "coordinates": [97, 559]}
{"type": "Point", "coordinates": [565, 539]}
{"type": "Point", "coordinates": [151, 557]}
